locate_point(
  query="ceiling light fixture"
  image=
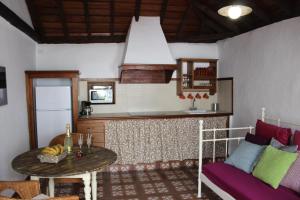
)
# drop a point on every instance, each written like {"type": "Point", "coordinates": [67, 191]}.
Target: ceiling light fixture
{"type": "Point", "coordinates": [234, 11]}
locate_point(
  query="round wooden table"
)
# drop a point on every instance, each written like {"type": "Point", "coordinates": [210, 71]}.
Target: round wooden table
{"type": "Point", "coordinates": [85, 168]}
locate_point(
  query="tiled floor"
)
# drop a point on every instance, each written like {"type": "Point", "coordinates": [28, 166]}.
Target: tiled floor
{"type": "Point", "coordinates": [171, 184]}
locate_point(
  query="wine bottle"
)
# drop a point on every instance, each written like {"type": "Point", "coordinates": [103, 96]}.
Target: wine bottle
{"type": "Point", "coordinates": [68, 142]}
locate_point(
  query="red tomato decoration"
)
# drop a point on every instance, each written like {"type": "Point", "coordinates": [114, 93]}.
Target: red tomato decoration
{"type": "Point", "coordinates": [198, 96]}
{"type": "Point", "coordinates": [190, 96]}
{"type": "Point", "coordinates": [205, 96]}
{"type": "Point", "coordinates": [181, 96]}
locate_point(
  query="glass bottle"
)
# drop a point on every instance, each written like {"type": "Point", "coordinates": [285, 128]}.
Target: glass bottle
{"type": "Point", "coordinates": [68, 142]}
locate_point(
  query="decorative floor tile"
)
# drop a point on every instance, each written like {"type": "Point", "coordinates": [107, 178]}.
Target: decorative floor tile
{"type": "Point", "coordinates": [162, 184]}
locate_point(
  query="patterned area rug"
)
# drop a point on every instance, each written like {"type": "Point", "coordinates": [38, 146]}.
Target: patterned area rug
{"type": "Point", "coordinates": [170, 184]}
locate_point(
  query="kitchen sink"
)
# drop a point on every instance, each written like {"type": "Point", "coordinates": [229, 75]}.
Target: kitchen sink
{"type": "Point", "coordinates": [199, 111]}
{"type": "Point", "coordinates": [151, 113]}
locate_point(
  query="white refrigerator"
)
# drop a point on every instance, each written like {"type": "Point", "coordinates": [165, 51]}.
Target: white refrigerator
{"type": "Point", "coordinates": [53, 112]}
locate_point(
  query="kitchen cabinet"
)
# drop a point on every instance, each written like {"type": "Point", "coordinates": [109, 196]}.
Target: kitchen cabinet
{"type": "Point", "coordinates": [196, 75]}
{"type": "Point", "coordinates": [97, 128]}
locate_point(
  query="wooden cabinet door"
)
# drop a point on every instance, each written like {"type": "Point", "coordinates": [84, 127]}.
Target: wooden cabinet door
{"type": "Point", "coordinates": [97, 128]}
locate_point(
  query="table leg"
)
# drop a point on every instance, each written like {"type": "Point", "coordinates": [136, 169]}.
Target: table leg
{"type": "Point", "coordinates": [94, 185]}
{"type": "Point", "coordinates": [51, 187]}
{"type": "Point", "coordinates": [87, 186]}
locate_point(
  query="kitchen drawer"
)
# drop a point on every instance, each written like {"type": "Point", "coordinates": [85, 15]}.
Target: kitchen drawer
{"type": "Point", "coordinates": [97, 128]}
{"type": "Point", "coordinates": [92, 122]}
{"type": "Point", "coordinates": [98, 137]}
{"type": "Point", "coordinates": [84, 128]}
{"type": "Point", "coordinates": [98, 144]}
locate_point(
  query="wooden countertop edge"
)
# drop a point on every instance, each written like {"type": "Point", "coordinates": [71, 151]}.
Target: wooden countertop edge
{"type": "Point", "coordinates": [153, 116]}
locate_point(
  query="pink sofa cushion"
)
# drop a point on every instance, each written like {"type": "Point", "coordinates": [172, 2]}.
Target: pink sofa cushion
{"type": "Point", "coordinates": [241, 185]}
{"type": "Point", "coordinates": [292, 178]}
{"type": "Point", "coordinates": [270, 131]}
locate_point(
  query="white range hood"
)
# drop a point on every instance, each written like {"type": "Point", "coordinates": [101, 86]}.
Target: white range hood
{"type": "Point", "coordinates": [147, 56]}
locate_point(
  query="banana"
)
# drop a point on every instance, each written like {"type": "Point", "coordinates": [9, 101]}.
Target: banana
{"type": "Point", "coordinates": [54, 150]}
{"type": "Point", "coordinates": [61, 147]}
{"type": "Point", "coordinates": [57, 149]}
{"type": "Point", "coordinates": [48, 150]}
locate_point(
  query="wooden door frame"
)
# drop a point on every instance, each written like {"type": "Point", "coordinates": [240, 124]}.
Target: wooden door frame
{"type": "Point", "coordinates": [30, 76]}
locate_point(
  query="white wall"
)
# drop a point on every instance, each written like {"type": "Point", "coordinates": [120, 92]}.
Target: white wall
{"type": "Point", "coordinates": [103, 60]}
{"type": "Point", "coordinates": [17, 54]}
{"type": "Point", "coordinates": [93, 60]}
{"type": "Point", "coordinates": [19, 7]}
{"type": "Point", "coordinates": [265, 67]}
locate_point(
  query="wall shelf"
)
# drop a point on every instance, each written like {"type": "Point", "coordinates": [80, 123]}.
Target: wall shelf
{"type": "Point", "coordinates": [196, 75]}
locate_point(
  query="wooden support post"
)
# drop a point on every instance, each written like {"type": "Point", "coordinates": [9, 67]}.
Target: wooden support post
{"type": "Point", "coordinates": [137, 9]}
{"type": "Point", "coordinates": [112, 17]}
{"type": "Point", "coordinates": [87, 17]}
{"type": "Point", "coordinates": [163, 10]}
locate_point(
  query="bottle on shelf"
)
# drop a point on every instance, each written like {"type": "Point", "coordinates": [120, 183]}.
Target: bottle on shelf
{"type": "Point", "coordinates": [68, 142]}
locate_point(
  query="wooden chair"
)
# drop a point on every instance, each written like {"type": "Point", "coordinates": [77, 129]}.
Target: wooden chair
{"type": "Point", "coordinates": [27, 190]}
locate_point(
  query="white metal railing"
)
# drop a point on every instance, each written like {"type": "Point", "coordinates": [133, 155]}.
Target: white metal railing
{"type": "Point", "coordinates": [214, 140]}
{"type": "Point", "coordinates": [264, 118]}
{"type": "Point", "coordinates": [278, 121]}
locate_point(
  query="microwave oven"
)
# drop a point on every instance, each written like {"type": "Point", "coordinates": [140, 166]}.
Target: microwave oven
{"type": "Point", "coordinates": [101, 95]}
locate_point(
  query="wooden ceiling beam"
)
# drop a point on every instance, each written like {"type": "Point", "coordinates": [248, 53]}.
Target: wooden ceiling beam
{"type": "Point", "coordinates": [112, 17]}
{"type": "Point", "coordinates": [259, 13]}
{"type": "Point", "coordinates": [296, 8]}
{"type": "Point", "coordinates": [229, 25]}
{"type": "Point", "coordinates": [284, 5]}
{"type": "Point", "coordinates": [87, 17]}
{"type": "Point", "coordinates": [83, 39]}
{"type": "Point", "coordinates": [63, 18]}
{"type": "Point", "coordinates": [17, 22]}
{"type": "Point", "coordinates": [204, 20]}
{"type": "Point", "coordinates": [36, 22]}
{"type": "Point", "coordinates": [212, 25]}
{"type": "Point", "coordinates": [201, 37]}
{"type": "Point", "coordinates": [183, 20]}
{"type": "Point", "coordinates": [163, 11]}
{"type": "Point", "coordinates": [137, 9]}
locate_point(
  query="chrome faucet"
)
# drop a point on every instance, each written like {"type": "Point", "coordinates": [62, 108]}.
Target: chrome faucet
{"type": "Point", "coordinates": [193, 105]}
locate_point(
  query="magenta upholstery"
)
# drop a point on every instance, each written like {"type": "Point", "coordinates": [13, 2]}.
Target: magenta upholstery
{"type": "Point", "coordinates": [243, 186]}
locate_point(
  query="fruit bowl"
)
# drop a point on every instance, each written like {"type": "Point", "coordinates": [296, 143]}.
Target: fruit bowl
{"type": "Point", "coordinates": [46, 158]}
{"type": "Point", "coordinates": [52, 154]}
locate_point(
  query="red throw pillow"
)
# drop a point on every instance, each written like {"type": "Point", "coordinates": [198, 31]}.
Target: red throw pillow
{"type": "Point", "coordinates": [271, 131]}
{"type": "Point", "coordinates": [297, 139]}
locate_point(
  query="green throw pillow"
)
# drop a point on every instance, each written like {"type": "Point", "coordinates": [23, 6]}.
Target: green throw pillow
{"type": "Point", "coordinates": [273, 165]}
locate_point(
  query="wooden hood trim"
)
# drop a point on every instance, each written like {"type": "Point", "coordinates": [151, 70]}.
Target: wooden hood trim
{"type": "Point", "coordinates": [146, 73]}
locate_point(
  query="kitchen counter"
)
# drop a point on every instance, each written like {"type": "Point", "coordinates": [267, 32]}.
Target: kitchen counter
{"type": "Point", "coordinates": [147, 137]}
{"type": "Point", "coordinates": [152, 115]}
